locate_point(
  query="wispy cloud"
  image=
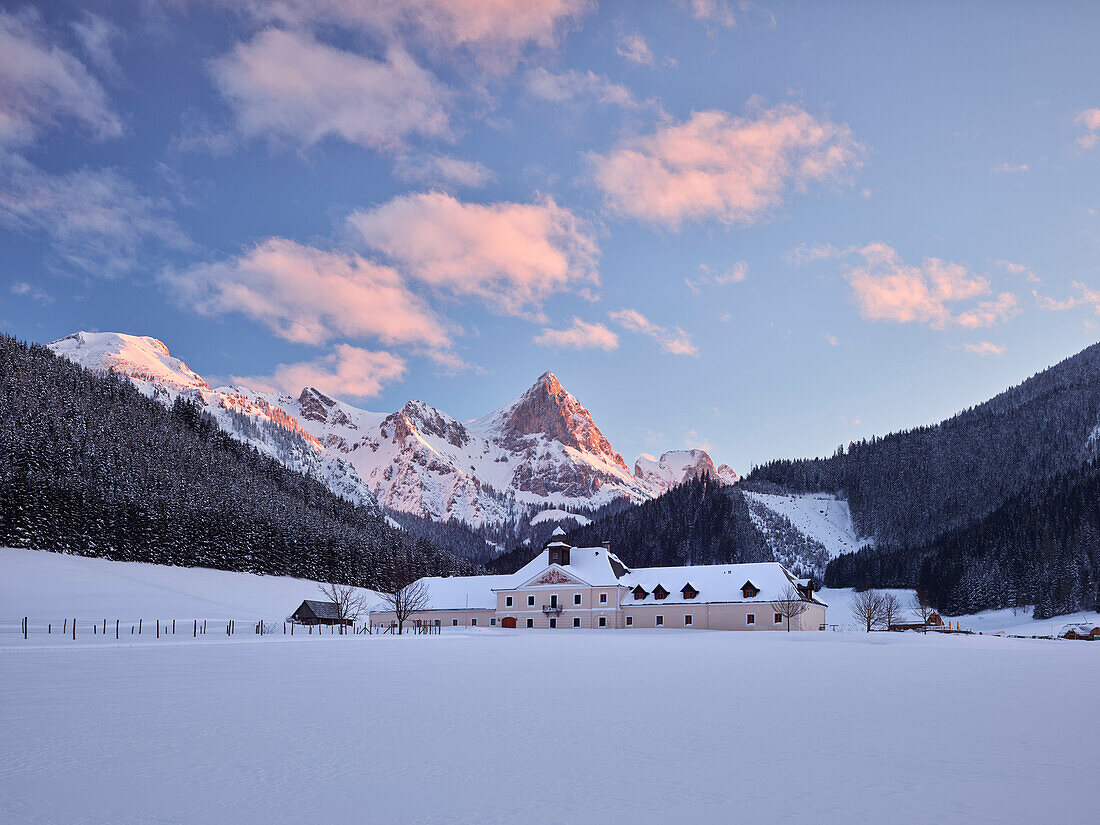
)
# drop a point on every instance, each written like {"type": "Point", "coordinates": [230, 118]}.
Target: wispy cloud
{"type": "Point", "coordinates": [442, 171]}
{"type": "Point", "coordinates": [287, 85]}
{"type": "Point", "coordinates": [714, 165]}
{"type": "Point", "coordinates": [580, 335]}
{"type": "Point", "coordinates": [43, 86]}
{"type": "Point", "coordinates": [576, 87]}
{"type": "Point", "coordinates": [1009, 168]}
{"type": "Point", "coordinates": [634, 48]}
{"type": "Point", "coordinates": [512, 256]}
{"type": "Point", "coordinates": [709, 276]}
{"type": "Point", "coordinates": [984, 349]}
{"type": "Point", "coordinates": [495, 35]}
{"type": "Point", "coordinates": [672, 340]}
{"type": "Point", "coordinates": [1084, 297]}
{"type": "Point", "coordinates": [33, 292]}
{"type": "Point", "coordinates": [96, 220]}
{"type": "Point", "coordinates": [1018, 269]}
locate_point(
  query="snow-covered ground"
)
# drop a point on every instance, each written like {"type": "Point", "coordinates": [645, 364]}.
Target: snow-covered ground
{"type": "Point", "coordinates": [552, 726]}
{"type": "Point", "coordinates": [556, 515]}
{"type": "Point", "coordinates": [821, 517]}
{"type": "Point", "coordinates": [51, 587]}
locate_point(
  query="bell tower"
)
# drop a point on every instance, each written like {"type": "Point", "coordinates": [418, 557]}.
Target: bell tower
{"type": "Point", "coordinates": [558, 547]}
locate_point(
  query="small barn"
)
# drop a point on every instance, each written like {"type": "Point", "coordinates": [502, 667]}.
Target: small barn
{"type": "Point", "coordinates": [1081, 630]}
{"type": "Point", "coordinates": [311, 612]}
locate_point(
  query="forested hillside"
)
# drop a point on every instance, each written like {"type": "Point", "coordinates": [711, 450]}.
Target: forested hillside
{"type": "Point", "coordinates": [907, 488]}
{"type": "Point", "coordinates": [89, 465]}
{"type": "Point", "coordinates": [1041, 547]}
{"type": "Point", "coordinates": [698, 522]}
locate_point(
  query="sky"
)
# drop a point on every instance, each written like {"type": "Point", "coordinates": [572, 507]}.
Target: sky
{"type": "Point", "coordinates": [763, 229]}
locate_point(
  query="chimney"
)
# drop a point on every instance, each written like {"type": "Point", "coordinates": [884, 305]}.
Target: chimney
{"type": "Point", "coordinates": [607, 546]}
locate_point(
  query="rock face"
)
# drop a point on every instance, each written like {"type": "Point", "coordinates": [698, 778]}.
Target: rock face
{"type": "Point", "coordinates": [542, 450]}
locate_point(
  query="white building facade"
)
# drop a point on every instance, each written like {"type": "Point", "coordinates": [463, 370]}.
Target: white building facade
{"type": "Point", "coordinates": [568, 587]}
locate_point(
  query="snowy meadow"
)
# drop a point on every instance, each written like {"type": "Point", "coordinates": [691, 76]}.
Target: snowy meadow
{"type": "Point", "coordinates": [492, 726]}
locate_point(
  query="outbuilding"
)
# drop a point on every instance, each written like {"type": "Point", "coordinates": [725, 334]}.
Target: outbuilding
{"type": "Point", "coordinates": [311, 612]}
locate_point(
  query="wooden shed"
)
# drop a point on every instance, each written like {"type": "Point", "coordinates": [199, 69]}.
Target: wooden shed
{"type": "Point", "coordinates": [311, 612]}
{"type": "Point", "coordinates": [1081, 630]}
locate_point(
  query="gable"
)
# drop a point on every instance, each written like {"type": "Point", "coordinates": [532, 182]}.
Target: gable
{"type": "Point", "coordinates": [553, 575]}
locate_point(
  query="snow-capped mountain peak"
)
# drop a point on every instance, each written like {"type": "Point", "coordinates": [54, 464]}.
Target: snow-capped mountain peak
{"type": "Point", "coordinates": [142, 358]}
{"type": "Point", "coordinates": [659, 475]}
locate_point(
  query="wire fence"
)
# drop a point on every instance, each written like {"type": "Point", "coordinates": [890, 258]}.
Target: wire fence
{"type": "Point", "coordinates": [74, 629]}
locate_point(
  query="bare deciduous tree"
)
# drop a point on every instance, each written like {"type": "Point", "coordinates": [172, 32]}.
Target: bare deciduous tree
{"type": "Point", "coordinates": [921, 607]}
{"type": "Point", "coordinates": [789, 605]}
{"type": "Point", "coordinates": [867, 607]}
{"type": "Point", "coordinates": [891, 609]}
{"type": "Point", "coordinates": [406, 600]}
{"type": "Point", "coordinates": [349, 601]}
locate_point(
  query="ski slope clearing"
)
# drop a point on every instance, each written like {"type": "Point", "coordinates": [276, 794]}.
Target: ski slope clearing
{"type": "Point", "coordinates": [822, 517]}
{"type": "Point", "coordinates": [49, 586]}
{"type": "Point", "coordinates": [556, 515]}
{"type": "Point", "coordinates": [552, 726]}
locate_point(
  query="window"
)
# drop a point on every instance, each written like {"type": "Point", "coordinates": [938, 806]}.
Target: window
{"type": "Point", "coordinates": [640, 593]}
{"type": "Point", "coordinates": [779, 618]}
{"type": "Point", "coordinates": [689, 592]}
{"type": "Point", "coordinates": [530, 622]}
{"type": "Point", "coordinates": [659, 592]}
{"type": "Point", "coordinates": [660, 620]}
{"type": "Point", "coordinates": [454, 622]}
{"type": "Point", "coordinates": [750, 618]}
{"type": "Point", "coordinates": [576, 621]}
{"type": "Point", "coordinates": [603, 621]}
{"type": "Point", "coordinates": [553, 623]}
{"type": "Point", "coordinates": [530, 601]}
{"type": "Point", "coordinates": [629, 621]}
{"type": "Point", "coordinates": [603, 598]}
{"type": "Point", "coordinates": [507, 601]}
{"type": "Point", "coordinates": [687, 620]}
{"type": "Point", "coordinates": [473, 622]}
{"type": "Point", "coordinates": [576, 598]}
{"type": "Point", "coordinates": [492, 622]}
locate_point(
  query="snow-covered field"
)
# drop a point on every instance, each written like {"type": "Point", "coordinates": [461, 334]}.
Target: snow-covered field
{"type": "Point", "coordinates": [821, 517]}
{"type": "Point", "coordinates": [552, 727]}
{"type": "Point", "coordinates": [495, 726]}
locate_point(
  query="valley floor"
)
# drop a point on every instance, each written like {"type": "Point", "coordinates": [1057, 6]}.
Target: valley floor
{"type": "Point", "coordinates": [491, 726]}
{"type": "Point", "coordinates": [552, 727]}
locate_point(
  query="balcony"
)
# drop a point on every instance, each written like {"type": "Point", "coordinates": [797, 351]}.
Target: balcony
{"type": "Point", "coordinates": [551, 609]}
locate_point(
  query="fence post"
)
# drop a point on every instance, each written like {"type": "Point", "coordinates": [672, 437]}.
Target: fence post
{"type": "Point", "coordinates": [74, 630]}
{"type": "Point", "coordinates": [65, 629]}
{"type": "Point", "coordinates": [196, 631]}
{"type": "Point", "coordinates": [173, 627]}
{"type": "Point", "coordinates": [139, 627]}
{"type": "Point", "coordinates": [158, 628]}
{"type": "Point", "coordinates": [24, 627]}
{"type": "Point", "coordinates": [104, 627]}
{"type": "Point", "coordinates": [116, 628]}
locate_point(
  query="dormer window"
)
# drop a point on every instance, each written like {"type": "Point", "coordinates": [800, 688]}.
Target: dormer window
{"type": "Point", "coordinates": [749, 590]}
{"type": "Point", "coordinates": [659, 593]}
{"type": "Point", "coordinates": [640, 593]}
{"type": "Point", "coordinates": [689, 592]}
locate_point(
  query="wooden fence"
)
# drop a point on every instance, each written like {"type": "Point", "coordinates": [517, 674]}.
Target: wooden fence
{"type": "Point", "coordinates": [74, 628]}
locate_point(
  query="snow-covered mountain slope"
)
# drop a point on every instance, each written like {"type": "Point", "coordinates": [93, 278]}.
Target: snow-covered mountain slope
{"type": "Point", "coordinates": [246, 415]}
{"type": "Point", "coordinates": [659, 475]}
{"type": "Point", "coordinates": [541, 449]}
{"type": "Point", "coordinates": [822, 518]}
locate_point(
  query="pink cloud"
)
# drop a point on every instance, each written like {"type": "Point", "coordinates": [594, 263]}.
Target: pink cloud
{"type": "Point", "coordinates": [287, 85]}
{"type": "Point", "coordinates": [714, 165]}
{"type": "Point", "coordinates": [712, 277]}
{"type": "Point", "coordinates": [581, 335]}
{"type": "Point", "coordinates": [494, 34]}
{"type": "Point", "coordinates": [633, 47]}
{"type": "Point", "coordinates": [576, 86]}
{"type": "Point", "coordinates": [347, 371]}
{"type": "Point", "coordinates": [887, 289]}
{"type": "Point", "coordinates": [510, 255]}
{"type": "Point", "coordinates": [440, 170]}
{"type": "Point", "coordinates": [310, 295]}
{"type": "Point", "coordinates": [1090, 119]}
{"type": "Point", "coordinates": [672, 340]}
{"type": "Point", "coordinates": [984, 349]}
{"type": "Point", "coordinates": [1084, 297]}
{"type": "Point", "coordinates": [987, 313]}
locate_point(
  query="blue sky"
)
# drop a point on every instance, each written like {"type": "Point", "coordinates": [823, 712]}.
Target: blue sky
{"type": "Point", "coordinates": [762, 229]}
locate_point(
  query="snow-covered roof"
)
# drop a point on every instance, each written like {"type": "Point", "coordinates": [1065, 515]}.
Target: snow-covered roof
{"type": "Point", "coordinates": [715, 582]}
{"type": "Point", "coordinates": [462, 592]}
{"type": "Point", "coordinates": [596, 566]}
{"type": "Point", "coordinates": [1080, 628]}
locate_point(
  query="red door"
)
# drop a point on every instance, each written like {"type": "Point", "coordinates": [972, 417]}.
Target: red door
{"type": "Point", "coordinates": [508, 621]}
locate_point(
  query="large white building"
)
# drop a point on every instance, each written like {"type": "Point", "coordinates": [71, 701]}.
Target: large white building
{"type": "Point", "coordinates": [589, 587]}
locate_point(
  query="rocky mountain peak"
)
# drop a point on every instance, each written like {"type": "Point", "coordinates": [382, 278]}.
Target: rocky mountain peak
{"type": "Point", "coordinates": [548, 409]}
{"type": "Point", "coordinates": [314, 405]}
